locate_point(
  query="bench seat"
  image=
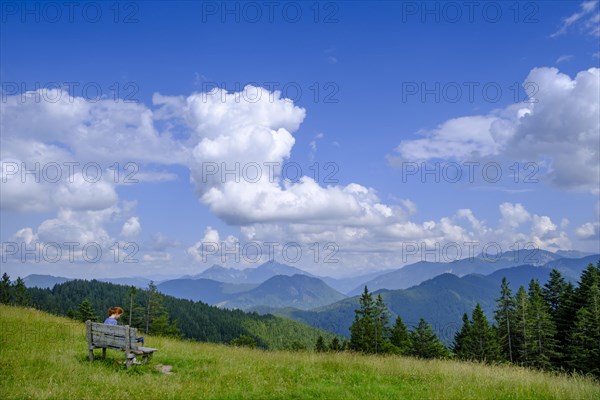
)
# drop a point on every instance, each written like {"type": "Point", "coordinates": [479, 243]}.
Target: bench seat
{"type": "Point", "coordinates": [116, 337]}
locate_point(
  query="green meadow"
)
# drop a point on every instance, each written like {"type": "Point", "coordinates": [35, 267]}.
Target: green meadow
{"type": "Point", "coordinates": [45, 357]}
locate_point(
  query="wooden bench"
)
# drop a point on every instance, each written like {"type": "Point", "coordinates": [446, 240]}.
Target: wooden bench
{"type": "Point", "coordinates": [103, 336]}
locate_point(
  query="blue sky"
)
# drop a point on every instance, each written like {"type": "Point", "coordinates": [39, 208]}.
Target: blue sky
{"type": "Point", "coordinates": [374, 91]}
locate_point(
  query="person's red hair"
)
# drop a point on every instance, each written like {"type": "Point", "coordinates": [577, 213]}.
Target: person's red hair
{"type": "Point", "coordinates": [115, 310]}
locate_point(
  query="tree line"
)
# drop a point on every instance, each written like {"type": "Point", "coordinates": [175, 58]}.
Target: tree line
{"type": "Point", "coordinates": [371, 333]}
{"type": "Point", "coordinates": [554, 327]}
{"type": "Point", "coordinates": [143, 309]}
{"type": "Point", "coordinates": [151, 311]}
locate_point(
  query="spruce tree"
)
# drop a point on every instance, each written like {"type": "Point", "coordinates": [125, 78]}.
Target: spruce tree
{"type": "Point", "coordinates": [521, 334]}
{"type": "Point", "coordinates": [585, 337]}
{"type": "Point", "coordinates": [335, 345]}
{"type": "Point", "coordinates": [320, 345]}
{"type": "Point", "coordinates": [400, 337]}
{"type": "Point", "coordinates": [558, 296]}
{"type": "Point", "coordinates": [362, 330]}
{"type": "Point", "coordinates": [540, 328]}
{"type": "Point", "coordinates": [505, 318]}
{"type": "Point", "coordinates": [5, 289]}
{"type": "Point", "coordinates": [483, 337]}
{"type": "Point", "coordinates": [589, 278]}
{"type": "Point", "coordinates": [244, 341]}
{"type": "Point", "coordinates": [86, 311]}
{"type": "Point", "coordinates": [424, 342]}
{"type": "Point", "coordinates": [565, 320]}
{"type": "Point", "coordinates": [345, 346]}
{"type": "Point", "coordinates": [156, 316]}
{"type": "Point", "coordinates": [463, 346]}
{"type": "Point", "coordinates": [553, 292]}
{"type": "Point", "coordinates": [380, 322]}
{"type": "Point", "coordinates": [357, 333]}
{"type": "Point", "coordinates": [21, 297]}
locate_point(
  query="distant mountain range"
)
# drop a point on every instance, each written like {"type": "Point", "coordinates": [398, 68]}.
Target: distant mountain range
{"type": "Point", "coordinates": [205, 290]}
{"type": "Point", "coordinates": [438, 292]}
{"type": "Point", "coordinates": [270, 269]}
{"type": "Point", "coordinates": [345, 285]}
{"type": "Point", "coordinates": [571, 267]}
{"type": "Point", "coordinates": [255, 275]}
{"type": "Point", "coordinates": [414, 274]}
{"type": "Point", "coordinates": [299, 291]}
{"type": "Point", "coordinates": [441, 300]}
{"type": "Point", "coordinates": [573, 253]}
{"type": "Point", "coordinates": [43, 281]}
{"type": "Point", "coordinates": [137, 282]}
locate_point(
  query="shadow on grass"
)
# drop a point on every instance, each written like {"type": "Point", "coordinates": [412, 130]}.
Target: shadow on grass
{"type": "Point", "coordinates": [114, 363]}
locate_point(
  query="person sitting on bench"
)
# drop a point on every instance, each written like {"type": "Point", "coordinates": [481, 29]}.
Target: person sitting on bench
{"type": "Point", "coordinates": [114, 313]}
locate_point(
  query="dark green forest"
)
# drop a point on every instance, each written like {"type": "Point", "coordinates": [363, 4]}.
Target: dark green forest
{"type": "Point", "coordinates": [159, 314]}
{"type": "Point", "coordinates": [554, 327]}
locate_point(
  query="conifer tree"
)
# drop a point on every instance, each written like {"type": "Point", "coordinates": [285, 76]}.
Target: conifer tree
{"type": "Point", "coordinates": [380, 322]}
{"type": "Point", "coordinates": [483, 337]}
{"type": "Point", "coordinates": [5, 289]}
{"type": "Point", "coordinates": [156, 316]}
{"type": "Point", "coordinates": [540, 328]}
{"type": "Point", "coordinates": [335, 345]}
{"type": "Point", "coordinates": [320, 345]}
{"type": "Point", "coordinates": [400, 337]}
{"type": "Point", "coordinates": [558, 295]}
{"type": "Point", "coordinates": [362, 330]}
{"type": "Point", "coordinates": [521, 336]}
{"type": "Point", "coordinates": [244, 341]}
{"type": "Point", "coordinates": [424, 342]}
{"type": "Point", "coordinates": [345, 346]}
{"type": "Point", "coordinates": [585, 337]}
{"type": "Point", "coordinates": [21, 297]}
{"type": "Point", "coordinates": [505, 318]}
{"type": "Point", "coordinates": [369, 331]}
{"type": "Point", "coordinates": [553, 291]}
{"type": "Point", "coordinates": [588, 279]}
{"type": "Point", "coordinates": [86, 311]}
{"type": "Point", "coordinates": [357, 333]}
{"type": "Point", "coordinates": [462, 346]}
{"type": "Point", "coordinates": [565, 315]}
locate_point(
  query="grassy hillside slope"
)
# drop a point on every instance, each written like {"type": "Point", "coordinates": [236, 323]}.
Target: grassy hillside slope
{"type": "Point", "coordinates": [44, 356]}
{"type": "Point", "coordinates": [195, 320]}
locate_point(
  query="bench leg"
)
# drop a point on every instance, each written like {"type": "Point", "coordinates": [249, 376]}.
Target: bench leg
{"type": "Point", "coordinates": [91, 354]}
{"type": "Point", "coordinates": [146, 358]}
{"type": "Point", "coordinates": [104, 353]}
{"type": "Point", "coordinates": [129, 360]}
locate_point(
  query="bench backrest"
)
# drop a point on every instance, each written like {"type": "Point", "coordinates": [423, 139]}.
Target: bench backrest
{"type": "Point", "coordinates": [120, 337]}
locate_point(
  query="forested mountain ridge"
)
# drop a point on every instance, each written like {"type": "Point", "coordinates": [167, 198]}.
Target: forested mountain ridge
{"type": "Point", "coordinates": [168, 315]}
{"type": "Point", "coordinates": [280, 291]}
{"type": "Point", "coordinates": [441, 300]}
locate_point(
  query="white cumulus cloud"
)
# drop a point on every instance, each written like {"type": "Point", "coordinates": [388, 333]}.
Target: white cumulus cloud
{"type": "Point", "coordinates": [131, 227]}
{"type": "Point", "coordinates": [560, 124]}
